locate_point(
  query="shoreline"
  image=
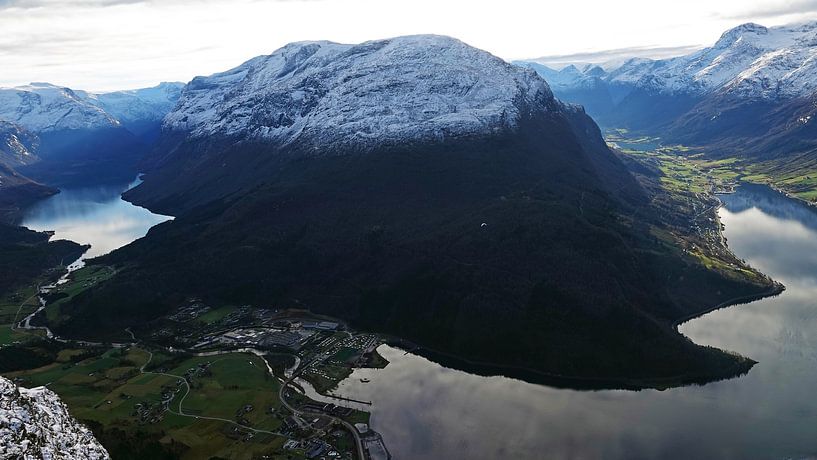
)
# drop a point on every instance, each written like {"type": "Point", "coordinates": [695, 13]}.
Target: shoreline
{"type": "Point", "coordinates": [536, 376]}
{"type": "Point", "coordinates": [774, 291]}
{"type": "Point", "coordinates": [563, 381]}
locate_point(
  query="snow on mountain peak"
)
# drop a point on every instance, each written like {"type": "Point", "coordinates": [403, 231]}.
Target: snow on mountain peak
{"type": "Point", "coordinates": [147, 104]}
{"type": "Point", "coordinates": [34, 423]}
{"type": "Point", "coordinates": [732, 35]}
{"type": "Point", "coordinates": [43, 107]}
{"type": "Point", "coordinates": [329, 94]}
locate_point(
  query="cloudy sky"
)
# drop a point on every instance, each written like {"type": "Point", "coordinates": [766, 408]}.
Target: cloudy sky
{"type": "Point", "coordinates": [118, 44]}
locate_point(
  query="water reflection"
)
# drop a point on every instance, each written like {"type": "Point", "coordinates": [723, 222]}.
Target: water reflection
{"type": "Point", "coordinates": [92, 215]}
{"type": "Point", "coordinates": [426, 411]}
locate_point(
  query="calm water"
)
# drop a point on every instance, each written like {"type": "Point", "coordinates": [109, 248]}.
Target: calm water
{"type": "Point", "coordinates": [426, 411]}
{"type": "Point", "coordinates": [92, 215]}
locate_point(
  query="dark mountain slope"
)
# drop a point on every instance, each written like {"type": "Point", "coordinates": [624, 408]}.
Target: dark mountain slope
{"type": "Point", "coordinates": [18, 148]}
{"type": "Point", "coordinates": [508, 240]}
{"type": "Point", "coordinates": [25, 255]}
{"type": "Point", "coordinates": [106, 155]}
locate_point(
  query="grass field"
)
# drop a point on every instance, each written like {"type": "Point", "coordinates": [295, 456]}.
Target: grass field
{"type": "Point", "coordinates": [682, 165]}
{"type": "Point", "coordinates": [7, 335]}
{"type": "Point", "coordinates": [10, 309]}
{"type": "Point", "coordinates": [215, 315]}
{"type": "Point", "coordinates": [10, 303]}
{"type": "Point", "coordinates": [233, 381]}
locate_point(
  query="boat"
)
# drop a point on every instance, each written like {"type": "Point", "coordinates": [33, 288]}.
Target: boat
{"type": "Point", "coordinates": [364, 380]}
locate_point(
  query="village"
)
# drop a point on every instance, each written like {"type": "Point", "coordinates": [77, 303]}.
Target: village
{"type": "Point", "coordinates": [308, 351]}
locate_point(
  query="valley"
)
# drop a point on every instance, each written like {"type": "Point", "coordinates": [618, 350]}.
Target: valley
{"type": "Point", "coordinates": [413, 248]}
{"type": "Point", "coordinates": [696, 169]}
{"type": "Point", "coordinates": [151, 411]}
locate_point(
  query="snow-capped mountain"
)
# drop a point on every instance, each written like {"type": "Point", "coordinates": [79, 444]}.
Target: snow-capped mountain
{"type": "Point", "coordinates": [749, 61]}
{"type": "Point", "coordinates": [34, 423]}
{"type": "Point", "coordinates": [139, 105]}
{"type": "Point", "coordinates": [333, 95]}
{"type": "Point", "coordinates": [43, 107]}
{"type": "Point", "coordinates": [351, 177]}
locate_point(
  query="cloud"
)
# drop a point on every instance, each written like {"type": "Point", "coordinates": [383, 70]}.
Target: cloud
{"type": "Point", "coordinates": [29, 4]}
{"type": "Point", "coordinates": [773, 9]}
{"type": "Point", "coordinates": [611, 58]}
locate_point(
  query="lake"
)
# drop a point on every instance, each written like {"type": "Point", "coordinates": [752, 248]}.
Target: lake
{"type": "Point", "coordinates": [427, 411]}
{"type": "Point", "coordinates": [95, 215]}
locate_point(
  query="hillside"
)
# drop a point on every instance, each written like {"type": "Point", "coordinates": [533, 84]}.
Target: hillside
{"type": "Point", "coordinates": [18, 147]}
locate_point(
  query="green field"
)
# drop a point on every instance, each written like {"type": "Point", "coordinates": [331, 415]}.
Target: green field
{"type": "Point", "coordinates": [215, 315]}
{"type": "Point", "coordinates": [7, 335]}
{"type": "Point", "coordinates": [11, 301]}
{"type": "Point", "coordinates": [683, 167]}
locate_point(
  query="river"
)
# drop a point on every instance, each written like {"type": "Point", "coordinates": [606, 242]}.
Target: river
{"type": "Point", "coordinates": [95, 215]}
{"type": "Point", "coordinates": [426, 411]}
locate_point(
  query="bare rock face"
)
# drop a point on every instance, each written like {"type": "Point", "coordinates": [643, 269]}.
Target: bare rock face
{"type": "Point", "coordinates": [35, 424]}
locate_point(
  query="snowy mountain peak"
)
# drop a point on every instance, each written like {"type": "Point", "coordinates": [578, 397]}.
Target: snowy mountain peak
{"type": "Point", "coordinates": [34, 423]}
{"type": "Point", "coordinates": [732, 35]}
{"type": "Point", "coordinates": [328, 94]}
{"type": "Point", "coordinates": [139, 105]}
{"type": "Point", "coordinates": [43, 107]}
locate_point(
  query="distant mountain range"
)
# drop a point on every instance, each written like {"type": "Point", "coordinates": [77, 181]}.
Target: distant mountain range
{"type": "Point", "coordinates": [81, 134]}
{"type": "Point", "coordinates": [751, 93]}
{"type": "Point", "coordinates": [43, 107]}
{"type": "Point", "coordinates": [419, 187]}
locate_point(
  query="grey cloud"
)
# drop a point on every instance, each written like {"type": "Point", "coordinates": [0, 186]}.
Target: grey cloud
{"type": "Point", "coordinates": [616, 56]}
{"type": "Point", "coordinates": [773, 10]}
{"type": "Point", "coordinates": [30, 4]}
